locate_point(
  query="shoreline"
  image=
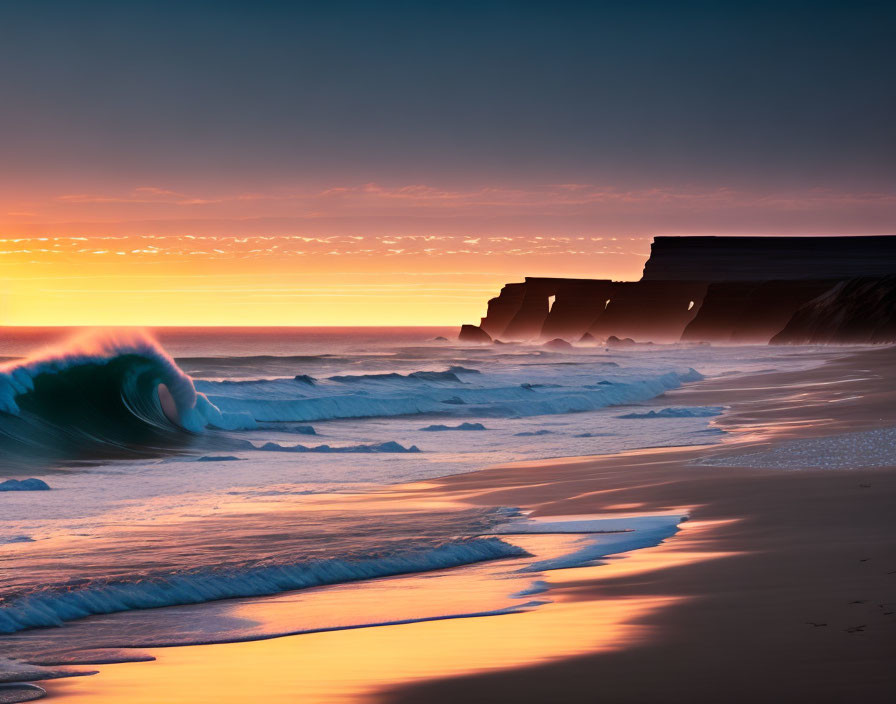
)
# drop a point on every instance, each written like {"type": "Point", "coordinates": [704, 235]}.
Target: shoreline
{"type": "Point", "coordinates": [796, 611]}
{"type": "Point", "coordinates": [725, 506]}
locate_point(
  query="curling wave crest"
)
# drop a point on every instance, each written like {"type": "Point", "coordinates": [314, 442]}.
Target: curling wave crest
{"type": "Point", "coordinates": [122, 395]}
{"type": "Point", "coordinates": [53, 606]}
{"type": "Point", "coordinates": [102, 394]}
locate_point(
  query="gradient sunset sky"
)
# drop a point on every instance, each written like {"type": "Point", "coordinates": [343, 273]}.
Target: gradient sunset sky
{"type": "Point", "coordinates": [387, 162]}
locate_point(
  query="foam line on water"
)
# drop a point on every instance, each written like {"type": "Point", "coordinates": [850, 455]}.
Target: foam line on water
{"type": "Point", "coordinates": [587, 524]}
{"type": "Point", "coordinates": [515, 609]}
{"type": "Point", "coordinates": [274, 403]}
{"type": "Point", "coordinates": [633, 534]}
{"type": "Point", "coordinates": [53, 607]}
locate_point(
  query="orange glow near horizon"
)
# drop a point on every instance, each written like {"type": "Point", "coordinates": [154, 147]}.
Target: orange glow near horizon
{"type": "Point", "coordinates": [282, 280]}
{"type": "Point", "coordinates": [359, 255]}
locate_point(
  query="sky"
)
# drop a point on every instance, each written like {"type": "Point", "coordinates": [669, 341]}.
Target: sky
{"type": "Point", "coordinates": [345, 163]}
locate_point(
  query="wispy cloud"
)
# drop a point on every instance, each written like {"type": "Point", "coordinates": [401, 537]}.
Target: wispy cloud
{"type": "Point", "coordinates": [340, 199]}
{"type": "Point", "coordinates": [221, 247]}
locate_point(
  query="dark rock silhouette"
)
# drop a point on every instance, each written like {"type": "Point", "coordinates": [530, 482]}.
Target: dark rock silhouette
{"type": "Point", "coordinates": [558, 344]}
{"type": "Point", "coordinates": [502, 309]}
{"type": "Point", "coordinates": [859, 310]}
{"type": "Point", "coordinates": [749, 311]}
{"type": "Point", "coordinates": [473, 333]}
{"type": "Point", "coordinates": [525, 311]}
{"type": "Point", "coordinates": [768, 258]}
{"type": "Point", "coordinates": [715, 289]}
{"type": "Point", "coordinates": [533, 310]}
{"type": "Point", "coordinates": [654, 310]}
{"type": "Point", "coordinates": [578, 303]}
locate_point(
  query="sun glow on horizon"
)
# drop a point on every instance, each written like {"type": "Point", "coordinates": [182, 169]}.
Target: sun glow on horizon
{"type": "Point", "coordinates": [208, 280]}
{"type": "Point", "coordinates": [361, 255]}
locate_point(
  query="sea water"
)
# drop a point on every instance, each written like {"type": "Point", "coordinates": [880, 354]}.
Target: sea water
{"type": "Point", "coordinates": [189, 466]}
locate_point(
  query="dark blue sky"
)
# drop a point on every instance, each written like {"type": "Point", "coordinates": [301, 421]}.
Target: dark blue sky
{"type": "Point", "coordinates": [251, 94]}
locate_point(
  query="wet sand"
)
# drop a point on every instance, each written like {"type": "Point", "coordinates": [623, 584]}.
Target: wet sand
{"type": "Point", "coordinates": [782, 587]}
{"type": "Point", "coordinates": [802, 607]}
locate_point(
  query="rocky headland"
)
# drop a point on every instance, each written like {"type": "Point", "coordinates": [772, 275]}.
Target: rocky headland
{"type": "Point", "coordinates": [736, 290]}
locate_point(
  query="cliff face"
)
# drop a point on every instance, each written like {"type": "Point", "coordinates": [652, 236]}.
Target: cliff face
{"type": "Point", "coordinates": [577, 305]}
{"type": "Point", "coordinates": [769, 258]}
{"type": "Point", "coordinates": [717, 289]}
{"type": "Point", "coordinates": [502, 308]}
{"type": "Point", "coordinates": [649, 310]}
{"type": "Point", "coordinates": [656, 310]}
{"type": "Point", "coordinates": [524, 311]}
{"type": "Point", "coordinates": [859, 310]}
{"type": "Point", "coordinates": [533, 310]}
{"type": "Point", "coordinates": [749, 311]}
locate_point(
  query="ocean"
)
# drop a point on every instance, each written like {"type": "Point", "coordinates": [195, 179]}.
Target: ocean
{"type": "Point", "coordinates": [190, 466]}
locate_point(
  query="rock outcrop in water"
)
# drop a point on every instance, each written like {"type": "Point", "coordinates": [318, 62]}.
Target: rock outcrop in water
{"type": "Point", "coordinates": [715, 289]}
{"type": "Point", "coordinates": [475, 334]}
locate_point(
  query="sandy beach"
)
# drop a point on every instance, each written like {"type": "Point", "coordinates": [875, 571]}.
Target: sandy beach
{"type": "Point", "coordinates": [447, 352]}
{"type": "Point", "coordinates": [780, 587]}
{"type": "Point", "coordinates": [801, 606]}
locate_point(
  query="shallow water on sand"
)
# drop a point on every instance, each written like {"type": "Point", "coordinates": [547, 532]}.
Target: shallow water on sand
{"type": "Point", "coordinates": [269, 477]}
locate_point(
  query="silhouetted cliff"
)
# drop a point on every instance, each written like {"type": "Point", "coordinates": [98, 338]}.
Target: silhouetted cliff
{"type": "Point", "coordinates": [649, 310]}
{"type": "Point", "coordinates": [750, 311]}
{"type": "Point", "coordinates": [716, 289]}
{"type": "Point", "coordinates": [855, 311]}
{"type": "Point", "coordinates": [525, 311]}
{"type": "Point", "coordinates": [542, 308]}
{"type": "Point", "coordinates": [768, 258]}
{"type": "Point", "coordinates": [577, 305]}
{"type": "Point", "coordinates": [502, 308]}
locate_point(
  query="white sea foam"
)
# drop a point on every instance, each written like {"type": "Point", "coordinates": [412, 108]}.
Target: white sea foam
{"type": "Point", "coordinates": [233, 407]}
{"type": "Point", "coordinates": [23, 692]}
{"type": "Point", "coordinates": [53, 607]}
{"type": "Point", "coordinates": [640, 532]}
{"type": "Point", "coordinates": [539, 586]}
{"type": "Point", "coordinates": [281, 400]}
{"type": "Point", "coordinates": [872, 448]}
{"type": "Point", "coordinates": [602, 535]}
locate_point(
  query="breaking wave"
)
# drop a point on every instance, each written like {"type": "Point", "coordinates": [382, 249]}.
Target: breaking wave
{"type": "Point", "coordinates": [102, 395]}
{"type": "Point", "coordinates": [53, 606]}
{"type": "Point", "coordinates": [373, 395]}
{"type": "Point", "coordinates": [120, 394]}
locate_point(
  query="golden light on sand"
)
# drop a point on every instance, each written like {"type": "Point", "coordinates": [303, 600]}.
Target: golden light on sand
{"type": "Point", "coordinates": [350, 665]}
{"type": "Point", "coordinates": [341, 666]}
